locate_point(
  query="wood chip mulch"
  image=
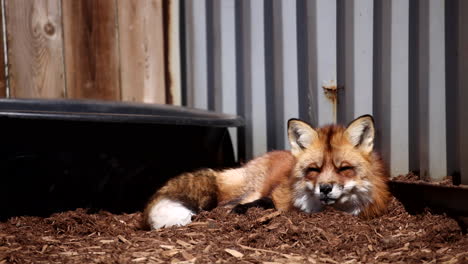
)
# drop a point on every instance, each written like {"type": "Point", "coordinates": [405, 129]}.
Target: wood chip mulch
{"type": "Point", "coordinates": [414, 178]}
{"type": "Point", "coordinates": [260, 236]}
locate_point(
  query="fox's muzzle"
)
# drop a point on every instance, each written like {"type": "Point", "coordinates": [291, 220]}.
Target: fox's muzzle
{"type": "Point", "coordinates": [327, 195]}
{"type": "Point", "coordinates": [325, 188]}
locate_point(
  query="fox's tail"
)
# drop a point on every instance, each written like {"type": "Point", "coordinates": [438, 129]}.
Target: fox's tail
{"type": "Point", "coordinates": [181, 198]}
{"type": "Point", "coordinates": [187, 194]}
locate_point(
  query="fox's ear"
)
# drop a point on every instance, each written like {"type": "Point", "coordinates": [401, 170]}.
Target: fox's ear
{"type": "Point", "coordinates": [301, 135]}
{"type": "Point", "coordinates": [361, 133]}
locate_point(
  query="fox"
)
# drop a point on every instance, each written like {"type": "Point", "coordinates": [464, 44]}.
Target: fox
{"type": "Point", "coordinates": [332, 165]}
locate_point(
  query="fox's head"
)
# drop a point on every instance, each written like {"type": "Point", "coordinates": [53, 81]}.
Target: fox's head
{"type": "Point", "coordinates": [335, 165]}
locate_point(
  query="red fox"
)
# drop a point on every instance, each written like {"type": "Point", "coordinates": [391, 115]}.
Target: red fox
{"type": "Point", "coordinates": [329, 166]}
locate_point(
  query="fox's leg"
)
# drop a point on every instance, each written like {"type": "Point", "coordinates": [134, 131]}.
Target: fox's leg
{"type": "Point", "coordinates": [264, 202]}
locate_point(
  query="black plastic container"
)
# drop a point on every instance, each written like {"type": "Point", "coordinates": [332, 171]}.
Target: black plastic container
{"type": "Point", "coordinates": [449, 200]}
{"type": "Point", "coordinates": [59, 155]}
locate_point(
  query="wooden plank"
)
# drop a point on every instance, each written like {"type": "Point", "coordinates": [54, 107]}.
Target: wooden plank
{"type": "Point", "coordinates": [463, 88]}
{"type": "Point", "coordinates": [35, 48]}
{"type": "Point", "coordinates": [3, 59]}
{"type": "Point", "coordinates": [141, 39]}
{"type": "Point", "coordinates": [91, 49]}
{"type": "Point", "coordinates": [173, 64]}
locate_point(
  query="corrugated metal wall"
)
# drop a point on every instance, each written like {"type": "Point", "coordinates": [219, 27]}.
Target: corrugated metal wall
{"type": "Point", "coordinates": [405, 62]}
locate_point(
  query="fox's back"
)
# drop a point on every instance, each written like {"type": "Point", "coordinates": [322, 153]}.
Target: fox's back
{"type": "Point", "coordinates": [256, 179]}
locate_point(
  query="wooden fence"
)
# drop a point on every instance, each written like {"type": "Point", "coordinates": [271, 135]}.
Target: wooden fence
{"type": "Point", "coordinates": [93, 49]}
{"type": "Point", "coordinates": [324, 61]}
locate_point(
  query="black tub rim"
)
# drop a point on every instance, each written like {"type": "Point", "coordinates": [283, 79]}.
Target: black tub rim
{"type": "Point", "coordinates": [114, 111]}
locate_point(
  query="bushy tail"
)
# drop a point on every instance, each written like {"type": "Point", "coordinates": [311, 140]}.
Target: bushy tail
{"type": "Point", "coordinates": [181, 198]}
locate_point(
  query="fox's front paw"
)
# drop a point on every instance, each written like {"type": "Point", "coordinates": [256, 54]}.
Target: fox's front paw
{"type": "Point", "coordinates": [240, 209]}
{"type": "Point", "coordinates": [265, 203]}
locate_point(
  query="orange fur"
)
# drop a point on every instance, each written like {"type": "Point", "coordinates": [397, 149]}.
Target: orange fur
{"type": "Point", "coordinates": [334, 155]}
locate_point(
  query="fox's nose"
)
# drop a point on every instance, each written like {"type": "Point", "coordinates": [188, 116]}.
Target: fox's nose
{"type": "Point", "coordinates": [325, 188]}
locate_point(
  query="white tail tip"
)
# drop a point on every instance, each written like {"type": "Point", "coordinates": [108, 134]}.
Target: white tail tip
{"type": "Point", "coordinates": [166, 213]}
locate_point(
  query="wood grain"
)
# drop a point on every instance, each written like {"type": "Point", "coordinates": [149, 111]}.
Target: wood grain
{"type": "Point", "coordinates": [171, 9]}
{"type": "Point", "coordinates": [91, 53]}
{"type": "Point", "coordinates": [3, 86]}
{"type": "Point", "coordinates": [142, 50]}
{"type": "Point", "coordinates": [35, 48]}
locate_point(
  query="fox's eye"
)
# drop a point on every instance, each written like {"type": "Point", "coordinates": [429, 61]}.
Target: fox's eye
{"type": "Point", "coordinates": [314, 169]}
{"type": "Point", "coordinates": [345, 168]}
